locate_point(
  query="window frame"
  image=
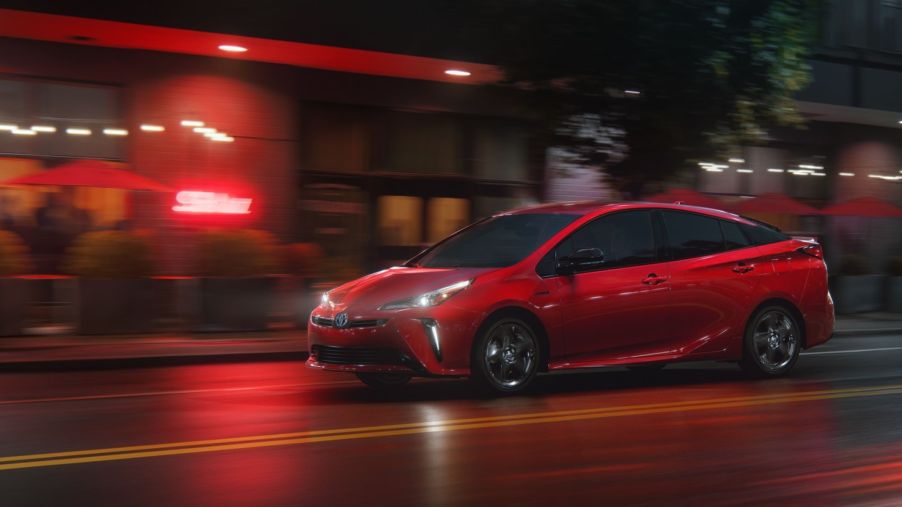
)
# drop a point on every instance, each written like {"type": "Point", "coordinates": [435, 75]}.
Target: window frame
{"type": "Point", "coordinates": [659, 243]}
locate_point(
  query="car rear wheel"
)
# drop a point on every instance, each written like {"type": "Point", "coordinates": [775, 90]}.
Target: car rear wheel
{"type": "Point", "coordinates": [772, 343]}
{"type": "Point", "coordinates": [506, 356]}
{"type": "Point", "coordinates": [384, 380]}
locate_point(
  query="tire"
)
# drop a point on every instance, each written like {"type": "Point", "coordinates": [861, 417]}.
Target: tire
{"type": "Point", "coordinates": [646, 367]}
{"type": "Point", "coordinates": [772, 342]}
{"type": "Point", "coordinates": [506, 356]}
{"type": "Point", "coordinates": [384, 380]}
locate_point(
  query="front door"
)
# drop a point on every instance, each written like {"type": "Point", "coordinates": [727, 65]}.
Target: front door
{"type": "Point", "coordinates": [618, 306]}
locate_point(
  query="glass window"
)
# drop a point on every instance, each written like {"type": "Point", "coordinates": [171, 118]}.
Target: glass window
{"type": "Point", "coordinates": [422, 143]}
{"type": "Point", "coordinates": [762, 234]}
{"type": "Point", "coordinates": [691, 235]}
{"type": "Point", "coordinates": [400, 220]}
{"type": "Point", "coordinates": [732, 236]}
{"type": "Point", "coordinates": [501, 153]}
{"type": "Point", "coordinates": [625, 239]}
{"type": "Point", "coordinates": [495, 242]}
{"type": "Point", "coordinates": [445, 215]}
{"type": "Point", "coordinates": [336, 139]}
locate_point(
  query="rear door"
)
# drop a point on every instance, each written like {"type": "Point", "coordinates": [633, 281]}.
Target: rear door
{"type": "Point", "coordinates": [714, 275]}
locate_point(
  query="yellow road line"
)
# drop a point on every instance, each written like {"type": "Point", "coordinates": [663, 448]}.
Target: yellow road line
{"type": "Point", "coordinates": [284, 439]}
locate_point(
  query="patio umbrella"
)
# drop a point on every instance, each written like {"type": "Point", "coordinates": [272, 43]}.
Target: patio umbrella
{"type": "Point", "coordinates": [864, 207]}
{"type": "Point", "coordinates": [774, 203]}
{"type": "Point", "coordinates": [686, 196]}
{"type": "Point", "coordinates": [89, 173]}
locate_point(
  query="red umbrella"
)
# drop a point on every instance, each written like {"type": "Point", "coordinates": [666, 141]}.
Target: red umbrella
{"type": "Point", "coordinates": [864, 207]}
{"type": "Point", "coordinates": [89, 173]}
{"type": "Point", "coordinates": [686, 196]}
{"type": "Point", "coordinates": [775, 203]}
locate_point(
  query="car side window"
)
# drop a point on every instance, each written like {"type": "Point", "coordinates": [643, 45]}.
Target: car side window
{"type": "Point", "coordinates": [625, 238]}
{"type": "Point", "coordinates": [760, 235]}
{"type": "Point", "coordinates": [732, 236]}
{"type": "Point", "coordinates": [692, 235]}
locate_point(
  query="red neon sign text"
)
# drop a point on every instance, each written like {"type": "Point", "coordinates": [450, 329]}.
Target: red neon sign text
{"type": "Point", "coordinates": [196, 201]}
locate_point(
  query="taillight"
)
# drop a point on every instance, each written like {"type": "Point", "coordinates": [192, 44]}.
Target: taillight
{"type": "Point", "coordinates": [813, 250]}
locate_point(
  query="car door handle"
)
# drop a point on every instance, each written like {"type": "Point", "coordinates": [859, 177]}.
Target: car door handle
{"type": "Point", "coordinates": [653, 279]}
{"type": "Point", "coordinates": [743, 267]}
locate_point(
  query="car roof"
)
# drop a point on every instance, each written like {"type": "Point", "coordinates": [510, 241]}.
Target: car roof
{"type": "Point", "coordinates": [582, 208]}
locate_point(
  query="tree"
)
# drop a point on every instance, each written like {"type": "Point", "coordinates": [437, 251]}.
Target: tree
{"type": "Point", "coordinates": [643, 87]}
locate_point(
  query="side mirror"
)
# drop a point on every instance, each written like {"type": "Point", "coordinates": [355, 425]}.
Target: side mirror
{"type": "Point", "coordinates": [582, 260]}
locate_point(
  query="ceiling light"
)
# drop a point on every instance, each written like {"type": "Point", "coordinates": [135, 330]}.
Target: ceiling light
{"type": "Point", "coordinates": [146, 127]}
{"type": "Point", "coordinates": [222, 139]}
{"type": "Point", "coordinates": [24, 132]}
{"type": "Point", "coordinates": [809, 166]}
{"type": "Point", "coordinates": [8, 126]}
{"type": "Point", "coordinates": [737, 160]}
{"type": "Point", "coordinates": [846, 174]}
{"type": "Point", "coordinates": [43, 128]}
{"type": "Point", "coordinates": [775, 170]}
{"type": "Point", "coordinates": [231, 48]}
{"type": "Point", "coordinates": [632, 92]}
{"type": "Point", "coordinates": [457, 72]}
{"type": "Point", "coordinates": [115, 132]}
{"type": "Point", "coordinates": [746, 171]}
{"type": "Point", "coordinates": [192, 123]}
{"type": "Point", "coordinates": [78, 131]}
{"type": "Point", "coordinates": [204, 130]}
{"type": "Point", "coordinates": [714, 169]}
{"type": "Point", "coordinates": [818, 174]}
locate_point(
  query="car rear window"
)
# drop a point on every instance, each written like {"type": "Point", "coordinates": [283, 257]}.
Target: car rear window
{"type": "Point", "coordinates": [692, 235]}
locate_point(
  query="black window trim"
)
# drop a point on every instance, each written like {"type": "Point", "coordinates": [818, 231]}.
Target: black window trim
{"type": "Point", "coordinates": [658, 241]}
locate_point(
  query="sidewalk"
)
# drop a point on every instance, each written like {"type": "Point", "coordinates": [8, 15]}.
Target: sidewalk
{"type": "Point", "coordinates": [33, 353]}
{"type": "Point", "coordinates": [39, 353]}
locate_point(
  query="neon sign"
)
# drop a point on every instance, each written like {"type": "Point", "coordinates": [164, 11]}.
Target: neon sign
{"type": "Point", "coordinates": [196, 201]}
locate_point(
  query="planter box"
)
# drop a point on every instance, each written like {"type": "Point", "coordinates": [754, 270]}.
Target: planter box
{"type": "Point", "coordinates": [13, 300]}
{"type": "Point", "coordinates": [114, 306]}
{"type": "Point", "coordinates": [862, 293]}
{"type": "Point", "coordinates": [894, 294]}
{"type": "Point", "coordinates": [235, 304]}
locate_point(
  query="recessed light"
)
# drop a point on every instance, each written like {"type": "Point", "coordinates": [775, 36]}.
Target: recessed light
{"type": "Point", "coordinates": [231, 48]}
{"type": "Point", "coordinates": [115, 132]}
{"type": "Point", "coordinates": [222, 139]}
{"type": "Point", "coordinates": [24, 132]}
{"type": "Point", "coordinates": [774, 170]}
{"type": "Point", "coordinates": [457, 72]}
{"type": "Point", "coordinates": [8, 126]}
{"type": "Point", "coordinates": [204, 130]}
{"type": "Point", "coordinates": [746, 171]}
{"type": "Point", "coordinates": [736, 161]}
{"type": "Point", "coordinates": [43, 128]}
{"type": "Point", "coordinates": [192, 123]}
{"type": "Point", "coordinates": [632, 92]}
{"type": "Point", "coordinates": [147, 127]}
{"type": "Point", "coordinates": [78, 131]}
{"type": "Point", "coordinates": [846, 174]}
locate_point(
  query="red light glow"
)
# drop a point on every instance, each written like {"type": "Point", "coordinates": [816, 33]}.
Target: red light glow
{"type": "Point", "coordinates": [197, 201]}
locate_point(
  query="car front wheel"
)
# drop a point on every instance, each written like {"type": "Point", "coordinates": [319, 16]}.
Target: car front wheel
{"type": "Point", "coordinates": [506, 356]}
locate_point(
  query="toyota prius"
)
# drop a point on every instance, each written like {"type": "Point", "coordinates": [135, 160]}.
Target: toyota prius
{"type": "Point", "coordinates": [581, 285]}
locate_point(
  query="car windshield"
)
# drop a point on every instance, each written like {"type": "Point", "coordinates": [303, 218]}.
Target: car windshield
{"type": "Point", "coordinates": [493, 243]}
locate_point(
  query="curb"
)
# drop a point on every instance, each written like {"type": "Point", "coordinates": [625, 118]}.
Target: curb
{"type": "Point", "coordinates": [117, 363]}
{"type": "Point", "coordinates": [867, 332]}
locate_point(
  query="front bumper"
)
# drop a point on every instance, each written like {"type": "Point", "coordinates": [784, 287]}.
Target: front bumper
{"type": "Point", "coordinates": [423, 342]}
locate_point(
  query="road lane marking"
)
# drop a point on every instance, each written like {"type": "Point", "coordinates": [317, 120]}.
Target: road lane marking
{"type": "Point", "coordinates": [337, 434]}
{"type": "Point", "coordinates": [852, 351]}
{"type": "Point", "coordinates": [170, 393]}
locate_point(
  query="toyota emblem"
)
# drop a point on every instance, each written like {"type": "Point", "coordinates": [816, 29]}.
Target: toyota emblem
{"type": "Point", "coordinates": [341, 320]}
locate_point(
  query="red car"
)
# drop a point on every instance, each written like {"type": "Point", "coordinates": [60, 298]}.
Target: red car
{"type": "Point", "coordinates": [581, 285]}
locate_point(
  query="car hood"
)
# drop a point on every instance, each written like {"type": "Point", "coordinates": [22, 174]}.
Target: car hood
{"type": "Point", "coordinates": [394, 284]}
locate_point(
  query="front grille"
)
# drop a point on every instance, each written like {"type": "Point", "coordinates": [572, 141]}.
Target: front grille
{"type": "Point", "coordinates": [327, 322]}
{"type": "Point", "coordinates": [355, 355]}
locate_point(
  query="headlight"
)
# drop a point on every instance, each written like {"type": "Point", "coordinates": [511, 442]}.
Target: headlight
{"type": "Point", "coordinates": [324, 300]}
{"type": "Point", "coordinates": [428, 299]}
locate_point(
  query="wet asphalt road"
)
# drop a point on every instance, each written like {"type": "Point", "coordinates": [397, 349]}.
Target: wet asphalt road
{"type": "Point", "coordinates": [279, 434]}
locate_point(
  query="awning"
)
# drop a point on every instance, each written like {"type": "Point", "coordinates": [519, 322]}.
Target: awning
{"type": "Point", "coordinates": [775, 203]}
{"type": "Point", "coordinates": [89, 173]}
{"type": "Point", "coordinates": [864, 207]}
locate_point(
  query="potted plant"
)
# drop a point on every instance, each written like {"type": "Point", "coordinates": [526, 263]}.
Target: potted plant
{"type": "Point", "coordinates": [894, 285]}
{"type": "Point", "coordinates": [302, 263]}
{"type": "Point", "coordinates": [14, 261]}
{"type": "Point", "coordinates": [857, 289]}
{"type": "Point", "coordinates": [114, 292]}
{"type": "Point", "coordinates": [235, 292]}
